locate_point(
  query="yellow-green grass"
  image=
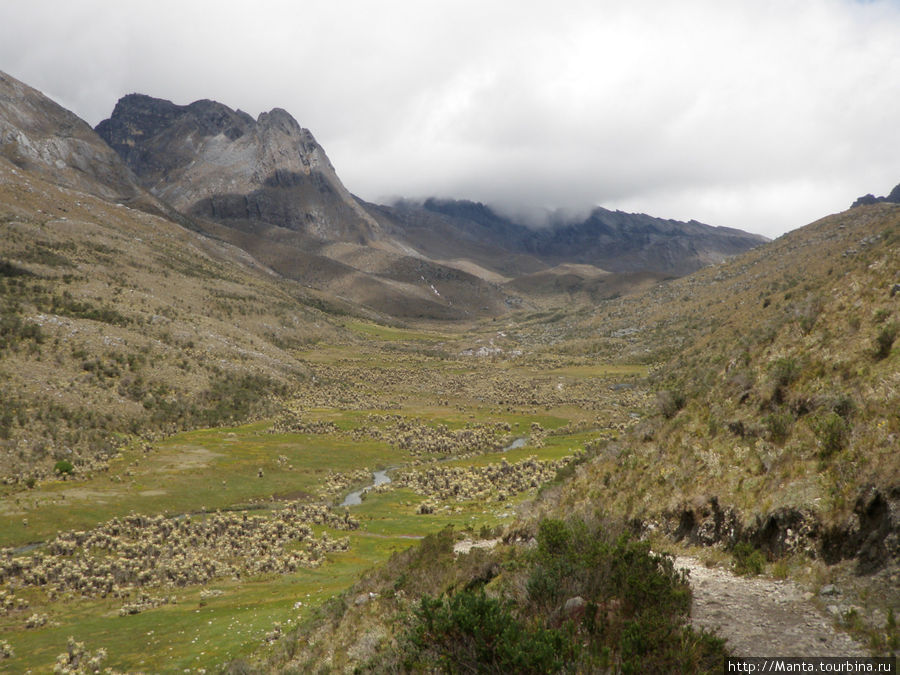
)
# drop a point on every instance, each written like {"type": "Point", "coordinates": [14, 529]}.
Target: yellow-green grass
{"type": "Point", "coordinates": [213, 469]}
{"type": "Point", "coordinates": [218, 468]}
{"type": "Point", "coordinates": [193, 633]}
{"type": "Point", "coordinates": [603, 370]}
{"type": "Point", "coordinates": [198, 633]}
{"type": "Point", "coordinates": [392, 334]}
{"type": "Point", "coordinates": [208, 469]}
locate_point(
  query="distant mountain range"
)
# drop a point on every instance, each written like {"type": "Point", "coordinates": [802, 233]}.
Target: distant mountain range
{"type": "Point", "coordinates": [268, 187]}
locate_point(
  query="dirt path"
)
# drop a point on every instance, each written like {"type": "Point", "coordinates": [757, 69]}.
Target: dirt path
{"type": "Point", "coordinates": [763, 617]}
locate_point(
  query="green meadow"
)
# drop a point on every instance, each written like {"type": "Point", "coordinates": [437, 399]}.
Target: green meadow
{"type": "Point", "coordinates": [250, 468]}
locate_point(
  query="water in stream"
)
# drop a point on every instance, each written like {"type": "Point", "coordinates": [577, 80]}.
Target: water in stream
{"type": "Point", "coordinates": [381, 477]}
{"type": "Point", "coordinates": [355, 498]}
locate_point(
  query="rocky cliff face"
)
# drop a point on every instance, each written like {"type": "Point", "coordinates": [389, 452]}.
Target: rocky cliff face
{"type": "Point", "coordinates": [210, 161]}
{"type": "Point", "coordinates": [41, 136]}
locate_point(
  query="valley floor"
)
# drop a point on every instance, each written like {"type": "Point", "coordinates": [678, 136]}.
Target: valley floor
{"type": "Point", "coordinates": [75, 558]}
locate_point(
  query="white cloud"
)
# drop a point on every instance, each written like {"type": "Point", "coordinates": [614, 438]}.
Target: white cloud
{"type": "Point", "coordinates": [760, 114]}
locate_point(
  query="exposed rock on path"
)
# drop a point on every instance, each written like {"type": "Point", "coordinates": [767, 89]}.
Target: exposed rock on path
{"type": "Point", "coordinates": [763, 617]}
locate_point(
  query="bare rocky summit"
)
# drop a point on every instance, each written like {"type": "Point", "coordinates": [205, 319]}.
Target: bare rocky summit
{"type": "Point", "coordinates": [210, 161]}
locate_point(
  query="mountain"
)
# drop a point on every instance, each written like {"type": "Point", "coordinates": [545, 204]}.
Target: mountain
{"type": "Point", "coordinates": [612, 240]}
{"type": "Point", "coordinates": [42, 137]}
{"type": "Point", "coordinates": [266, 185]}
{"type": "Point", "coordinates": [210, 161]}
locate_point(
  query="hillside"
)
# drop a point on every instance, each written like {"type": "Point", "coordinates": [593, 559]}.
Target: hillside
{"type": "Point", "coordinates": [116, 321]}
{"type": "Point", "coordinates": [776, 416]}
{"type": "Point", "coordinates": [770, 444]}
{"type": "Point", "coordinates": [757, 353]}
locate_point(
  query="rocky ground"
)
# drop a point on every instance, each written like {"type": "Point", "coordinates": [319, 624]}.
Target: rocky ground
{"type": "Point", "coordinates": [763, 617]}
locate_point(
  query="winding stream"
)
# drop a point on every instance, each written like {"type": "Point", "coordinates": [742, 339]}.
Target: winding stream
{"type": "Point", "coordinates": [381, 477]}
{"type": "Point", "coordinates": [355, 498]}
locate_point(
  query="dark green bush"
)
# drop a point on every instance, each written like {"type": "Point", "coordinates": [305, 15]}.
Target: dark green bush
{"type": "Point", "coordinates": [64, 467]}
{"type": "Point", "coordinates": [778, 424]}
{"type": "Point", "coordinates": [843, 405]}
{"type": "Point", "coordinates": [670, 402]}
{"type": "Point", "coordinates": [833, 432]}
{"type": "Point", "coordinates": [472, 633]}
{"type": "Point", "coordinates": [9, 270]}
{"type": "Point", "coordinates": [14, 330]}
{"type": "Point", "coordinates": [784, 371]}
{"type": "Point", "coordinates": [747, 559]}
{"type": "Point", "coordinates": [637, 603]}
{"type": "Point", "coordinates": [67, 305]}
{"type": "Point", "coordinates": [884, 341]}
{"type": "Point", "coordinates": [235, 398]}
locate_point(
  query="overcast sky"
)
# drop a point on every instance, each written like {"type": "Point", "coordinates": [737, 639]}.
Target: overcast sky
{"type": "Point", "coordinates": [758, 114]}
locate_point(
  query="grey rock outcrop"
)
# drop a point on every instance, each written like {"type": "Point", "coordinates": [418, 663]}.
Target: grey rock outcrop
{"type": "Point", "coordinates": [39, 135]}
{"type": "Point", "coordinates": [208, 160]}
{"type": "Point", "coordinates": [893, 197]}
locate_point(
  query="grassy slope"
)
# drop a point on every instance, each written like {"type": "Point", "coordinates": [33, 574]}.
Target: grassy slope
{"type": "Point", "coordinates": [816, 300]}
{"type": "Point", "coordinates": [129, 323]}
{"type": "Point", "coordinates": [812, 303]}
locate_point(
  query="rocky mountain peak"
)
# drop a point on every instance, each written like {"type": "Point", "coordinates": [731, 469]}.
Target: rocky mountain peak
{"type": "Point", "coordinates": [211, 161]}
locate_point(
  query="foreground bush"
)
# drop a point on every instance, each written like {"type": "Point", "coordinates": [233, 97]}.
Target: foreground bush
{"type": "Point", "coordinates": [582, 600]}
{"type": "Point", "coordinates": [471, 632]}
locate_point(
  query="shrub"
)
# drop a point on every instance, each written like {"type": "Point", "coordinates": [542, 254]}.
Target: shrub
{"type": "Point", "coordinates": [235, 398]}
{"type": "Point", "coordinates": [778, 424]}
{"type": "Point", "coordinates": [8, 269]}
{"type": "Point", "coordinates": [670, 402]}
{"type": "Point", "coordinates": [636, 602]}
{"type": "Point", "coordinates": [13, 329]}
{"type": "Point", "coordinates": [471, 632]}
{"type": "Point", "coordinates": [784, 371]}
{"type": "Point", "coordinates": [64, 467]}
{"type": "Point", "coordinates": [572, 560]}
{"type": "Point", "coordinates": [747, 560]}
{"type": "Point", "coordinates": [880, 315]}
{"type": "Point", "coordinates": [808, 313]}
{"type": "Point", "coordinates": [833, 432]}
{"type": "Point", "coordinates": [884, 341]}
{"type": "Point", "coordinates": [843, 405]}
